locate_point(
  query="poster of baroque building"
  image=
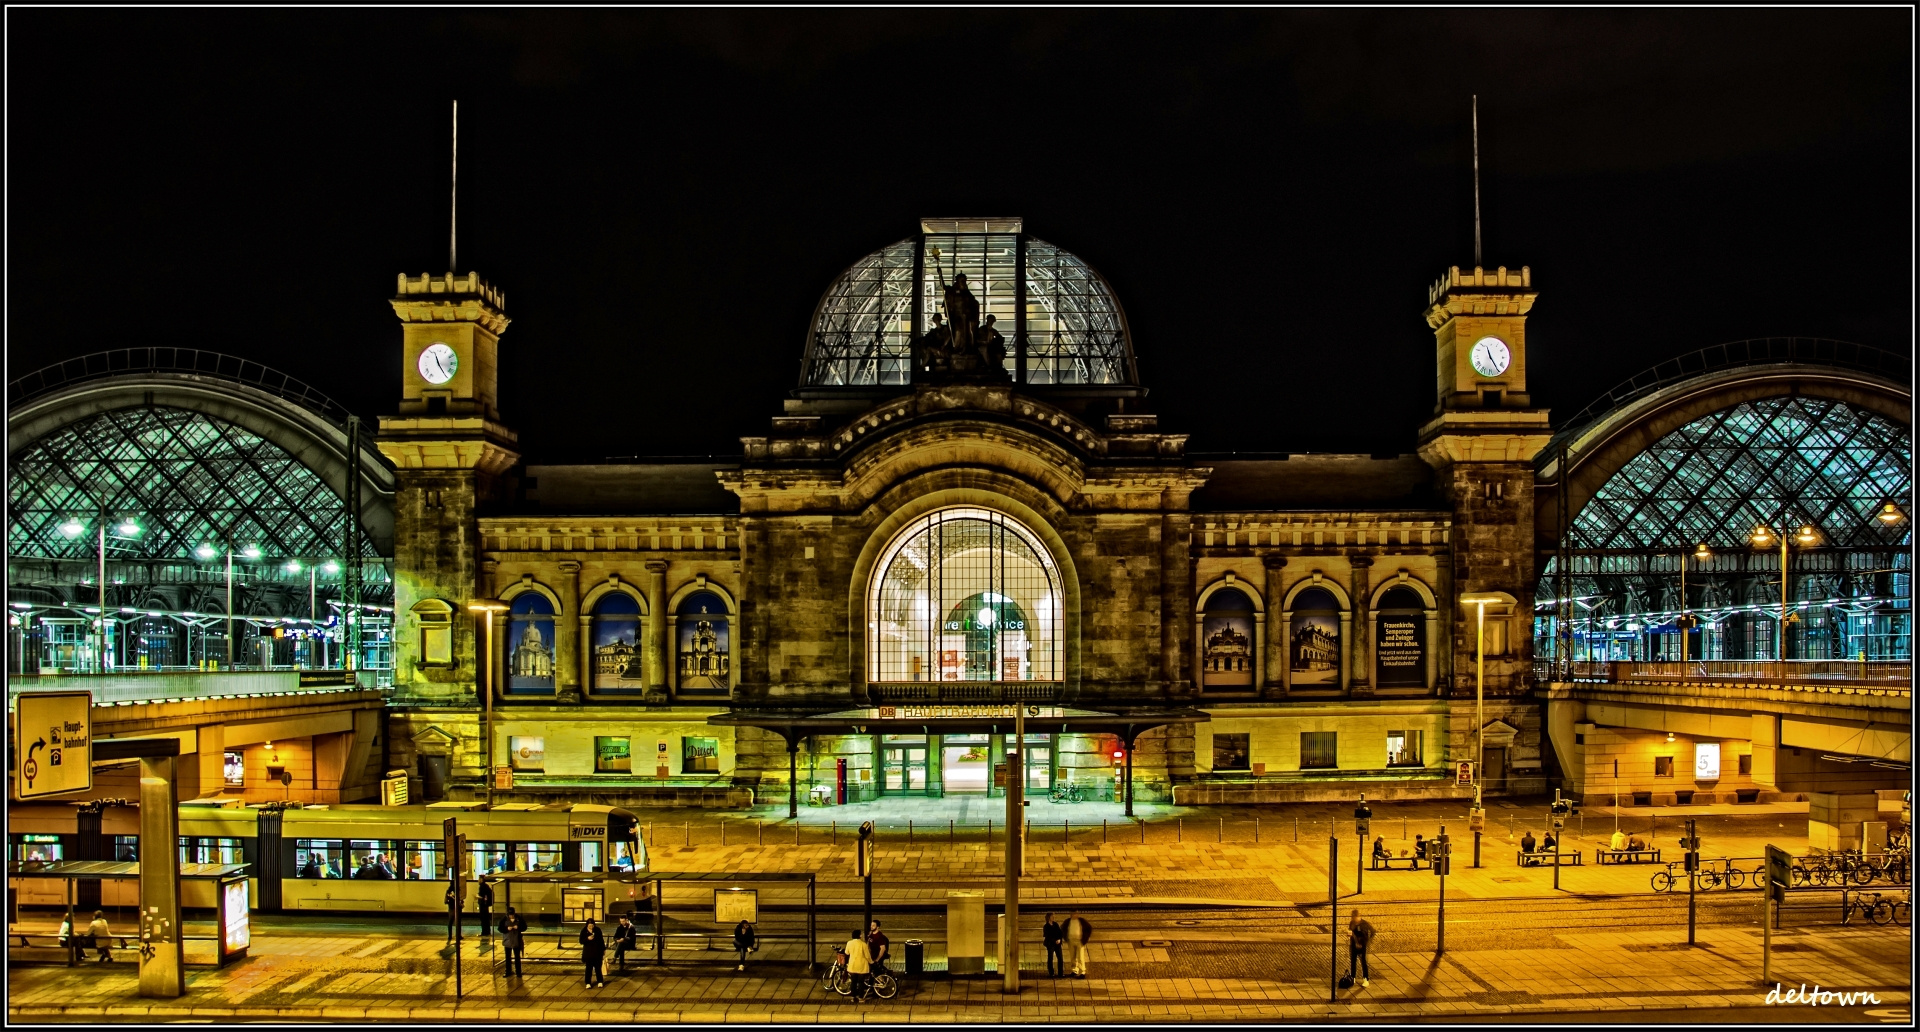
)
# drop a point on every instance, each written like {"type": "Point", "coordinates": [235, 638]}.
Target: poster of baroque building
{"type": "Point", "coordinates": [617, 656]}
{"type": "Point", "coordinates": [1226, 656]}
{"type": "Point", "coordinates": [1315, 648]}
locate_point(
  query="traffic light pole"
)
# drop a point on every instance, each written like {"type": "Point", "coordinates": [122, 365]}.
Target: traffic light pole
{"type": "Point", "coordinates": [1445, 861]}
{"type": "Point", "coordinates": [1693, 879]}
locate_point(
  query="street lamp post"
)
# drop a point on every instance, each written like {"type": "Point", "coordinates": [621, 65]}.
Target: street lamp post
{"type": "Point", "coordinates": [488, 607]}
{"type": "Point", "coordinates": [208, 552]}
{"type": "Point", "coordinates": [1686, 619]}
{"type": "Point", "coordinates": [1763, 536]}
{"type": "Point", "coordinates": [1479, 600]}
{"type": "Point", "coordinates": [127, 529]}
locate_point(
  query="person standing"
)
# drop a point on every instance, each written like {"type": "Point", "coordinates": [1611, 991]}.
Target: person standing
{"type": "Point", "coordinates": [453, 901]}
{"type": "Point", "coordinates": [1359, 936]}
{"type": "Point", "coordinates": [101, 935]}
{"type": "Point", "coordinates": [859, 964]}
{"type": "Point", "coordinates": [1052, 935]}
{"type": "Point", "coordinates": [743, 941]}
{"type": "Point", "coordinates": [483, 898]}
{"type": "Point", "coordinates": [1079, 933]}
{"type": "Point", "coordinates": [593, 953]}
{"type": "Point", "coordinates": [512, 935]}
{"type": "Point", "coordinates": [880, 946]}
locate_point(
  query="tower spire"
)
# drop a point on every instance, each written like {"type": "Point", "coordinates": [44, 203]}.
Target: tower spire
{"type": "Point", "coordinates": [1475, 179]}
{"type": "Point", "coordinates": [453, 221]}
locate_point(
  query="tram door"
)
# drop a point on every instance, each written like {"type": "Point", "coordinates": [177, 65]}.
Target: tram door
{"type": "Point", "coordinates": [903, 766]}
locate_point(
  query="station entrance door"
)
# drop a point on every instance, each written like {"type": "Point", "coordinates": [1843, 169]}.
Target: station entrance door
{"type": "Point", "coordinates": [903, 766]}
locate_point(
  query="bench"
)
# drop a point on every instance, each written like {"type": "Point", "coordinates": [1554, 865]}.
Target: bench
{"type": "Point", "coordinates": [1524, 859]}
{"type": "Point", "coordinates": [1626, 856]}
{"type": "Point", "coordinates": [1388, 863]}
{"type": "Point", "coordinates": [51, 941]}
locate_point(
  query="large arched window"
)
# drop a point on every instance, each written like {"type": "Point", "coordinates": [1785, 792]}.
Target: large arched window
{"type": "Point", "coordinates": [705, 648]}
{"type": "Point", "coordinates": [1313, 654]}
{"type": "Point", "coordinates": [530, 645]}
{"type": "Point", "coordinates": [965, 594]}
{"type": "Point", "coordinates": [618, 656]}
{"type": "Point", "coordinates": [1228, 656]}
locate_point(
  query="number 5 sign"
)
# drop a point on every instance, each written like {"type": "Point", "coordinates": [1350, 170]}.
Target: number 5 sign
{"type": "Point", "coordinates": [53, 735]}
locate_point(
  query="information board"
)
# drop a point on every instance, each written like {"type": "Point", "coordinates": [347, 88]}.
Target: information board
{"type": "Point", "coordinates": [732, 906]}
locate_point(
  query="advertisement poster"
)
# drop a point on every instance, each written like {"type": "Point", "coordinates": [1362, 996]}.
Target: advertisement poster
{"type": "Point", "coordinates": [612, 755]}
{"type": "Point", "coordinates": [526, 753]}
{"type": "Point", "coordinates": [1401, 652]}
{"type": "Point", "coordinates": [618, 655]}
{"type": "Point", "coordinates": [530, 645]}
{"type": "Point", "coordinates": [1226, 657]}
{"type": "Point", "coordinates": [703, 647]}
{"type": "Point", "coordinates": [234, 767]}
{"type": "Point", "coordinates": [238, 933]}
{"type": "Point", "coordinates": [1315, 649]}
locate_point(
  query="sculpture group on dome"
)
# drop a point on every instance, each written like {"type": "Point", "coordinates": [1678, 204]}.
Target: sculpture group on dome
{"type": "Point", "coordinates": [963, 346]}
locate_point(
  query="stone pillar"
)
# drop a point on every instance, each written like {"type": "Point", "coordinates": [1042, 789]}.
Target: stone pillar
{"type": "Point", "coordinates": [655, 664]}
{"type": "Point", "coordinates": [568, 636]}
{"type": "Point", "coordinates": [1361, 650]}
{"type": "Point", "coordinates": [162, 953]}
{"type": "Point", "coordinates": [1834, 818]}
{"type": "Point", "coordinates": [1278, 632]}
{"type": "Point", "coordinates": [1176, 599]}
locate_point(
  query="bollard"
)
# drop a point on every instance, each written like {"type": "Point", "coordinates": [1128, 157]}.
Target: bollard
{"type": "Point", "coordinates": [1256, 831]}
{"type": "Point", "coordinates": [762, 839]}
{"type": "Point", "coordinates": [1143, 833]}
{"type": "Point", "coordinates": [1296, 829]}
{"type": "Point", "coordinates": [796, 833]}
{"type": "Point", "coordinates": [1179, 829]}
{"type": "Point", "coordinates": [1223, 829]}
{"type": "Point", "coordinates": [1103, 831]}
{"type": "Point", "coordinates": [909, 831]}
{"type": "Point", "coordinates": [1064, 832]}
{"type": "Point", "coordinates": [833, 832]}
{"type": "Point", "coordinates": [1403, 829]}
{"type": "Point", "coordinates": [949, 831]}
{"type": "Point", "coordinates": [989, 833]}
{"type": "Point", "coordinates": [689, 833]}
{"type": "Point", "coordinates": [723, 831]}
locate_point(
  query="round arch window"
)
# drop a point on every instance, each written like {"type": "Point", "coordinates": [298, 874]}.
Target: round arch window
{"type": "Point", "coordinates": [965, 594]}
{"type": "Point", "coordinates": [529, 644]}
{"type": "Point", "coordinates": [1313, 653]}
{"type": "Point", "coordinates": [1400, 640]}
{"type": "Point", "coordinates": [1226, 640]}
{"type": "Point", "coordinates": [618, 655]}
{"type": "Point", "coordinates": [704, 646]}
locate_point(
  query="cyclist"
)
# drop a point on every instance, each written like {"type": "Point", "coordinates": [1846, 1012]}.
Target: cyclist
{"type": "Point", "coordinates": [859, 965]}
{"type": "Point", "coordinates": [880, 946]}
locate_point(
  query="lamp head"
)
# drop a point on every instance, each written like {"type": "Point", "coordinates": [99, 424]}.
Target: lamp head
{"type": "Point", "coordinates": [73, 528]}
{"type": "Point", "coordinates": [1763, 536]}
{"type": "Point", "coordinates": [293, 566]}
{"type": "Point", "coordinates": [206, 551]}
{"type": "Point", "coordinates": [331, 567]}
{"type": "Point", "coordinates": [1807, 535]}
{"type": "Point", "coordinates": [487, 605]}
{"type": "Point", "coordinates": [1701, 552]}
{"type": "Point", "coordinates": [128, 528]}
{"type": "Point", "coordinates": [1890, 514]}
{"type": "Point", "coordinates": [251, 552]}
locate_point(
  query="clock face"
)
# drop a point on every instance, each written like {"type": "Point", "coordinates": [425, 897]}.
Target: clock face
{"type": "Point", "coordinates": [1490, 357]}
{"type": "Point", "coordinates": [438, 362]}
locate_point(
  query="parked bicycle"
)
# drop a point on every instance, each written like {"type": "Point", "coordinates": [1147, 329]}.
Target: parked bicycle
{"type": "Point", "coordinates": [1704, 879]}
{"type": "Point", "coordinates": [1071, 792]}
{"type": "Point", "coordinates": [1871, 905]}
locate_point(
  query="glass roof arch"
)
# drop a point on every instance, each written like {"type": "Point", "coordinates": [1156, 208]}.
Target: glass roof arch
{"type": "Point", "coordinates": [1062, 322]}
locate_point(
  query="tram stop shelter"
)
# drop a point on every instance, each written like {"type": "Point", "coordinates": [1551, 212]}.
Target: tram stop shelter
{"type": "Point", "coordinates": [232, 929]}
{"type": "Point", "coordinates": [583, 895]}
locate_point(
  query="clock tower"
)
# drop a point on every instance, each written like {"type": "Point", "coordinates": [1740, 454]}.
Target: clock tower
{"type": "Point", "coordinates": [451, 455]}
{"type": "Point", "coordinates": [1481, 443]}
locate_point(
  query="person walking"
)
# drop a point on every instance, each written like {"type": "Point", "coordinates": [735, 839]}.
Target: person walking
{"type": "Point", "coordinates": [453, 901]}
{"type": "Point", "coordinates": [1052, 935]}
{"type": "Point", "coordinates": [483, 898]}
{"type": "Point", "coordinates": [1359, 935]}
{"type": "Point", "coordinates": [513, 929]}
{"type": "Point", "coordinates": [101, 935]}
{"type": "Point", "coordinates": [593, 953]}
{"type": "Point", "coordinates": [743, 941]}
{"type": "Point", "coordinates": [1079, 933]}
{"type": "Point", "coordinates": [859, 964]}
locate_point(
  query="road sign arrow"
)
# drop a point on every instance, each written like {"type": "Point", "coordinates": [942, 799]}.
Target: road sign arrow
{"type": "Point", "coordinates": [38, 744]}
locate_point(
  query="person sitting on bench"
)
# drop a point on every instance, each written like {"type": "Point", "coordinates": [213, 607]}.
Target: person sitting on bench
{"type": "Point", "coordinates": [1380, 851]}
{"type": "Point", "coordinates": [1636, 842]}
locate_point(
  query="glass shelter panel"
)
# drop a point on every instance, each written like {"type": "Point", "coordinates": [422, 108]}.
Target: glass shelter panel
{"type": "Point", "coordinates": [965, 594]}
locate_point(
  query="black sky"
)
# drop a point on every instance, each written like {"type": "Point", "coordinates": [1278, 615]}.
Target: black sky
{"type": "Point", "coordinates": [664, 196]}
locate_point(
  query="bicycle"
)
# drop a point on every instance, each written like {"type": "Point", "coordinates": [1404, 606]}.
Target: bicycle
{"type": "Point", "coordinates": [837, 979]}
{"type": "Point", "coordinates": [1870, 905]}
{"type": "Point", "coordinates": [1072, 792]}
{"type": "Point", "coordinates": [1704, 878]}
{"type": "Point", "coordinates": [1850, 865]}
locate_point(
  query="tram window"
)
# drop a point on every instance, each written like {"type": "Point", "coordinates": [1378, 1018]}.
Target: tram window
{"type": "Point", "coordinates": [372, 859]}
{"type": "Point", "coordinates": [538, 856]}
{"type": "Point", "coordinates": [200, 850]}
{"type": "Point", "coordinates": [421, 861]}
{"type": "Point", "coordinates": [37, 848]}
{"type": "Point", "coordinates": [589, 856]}
{"type": "Point", "coordinates": [699, 755]}
{"type": "Point", "coordinates": [126, 848]}
{"type": "Point", "coordinates": [491, 857]}
{"type": "Point", "coordinates": [496, 857]}
{"type": "Point", "coordinates": [319, 858]}
{"type": "Point", "coordinates": [622, 856]}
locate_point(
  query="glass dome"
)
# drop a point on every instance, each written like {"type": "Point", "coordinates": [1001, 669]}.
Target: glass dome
{"type": "Point", "coordinates": [1060, 319]}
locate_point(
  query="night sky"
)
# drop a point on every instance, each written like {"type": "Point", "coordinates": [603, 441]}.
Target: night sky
{"type": "Point", "coordinates": [664, 196]}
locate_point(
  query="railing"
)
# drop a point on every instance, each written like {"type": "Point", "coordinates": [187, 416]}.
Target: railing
{"type": "Point", "coordinates": [1791, 675]}
{"type": "Point", "coordinates": [964, 691]}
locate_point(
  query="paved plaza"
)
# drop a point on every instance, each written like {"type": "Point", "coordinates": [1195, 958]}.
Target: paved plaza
{"type": "Point", "coordinates": [1189, 927]}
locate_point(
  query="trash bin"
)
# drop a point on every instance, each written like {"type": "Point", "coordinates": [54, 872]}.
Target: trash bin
{"type": "Point", "coordinates": [916, 956]}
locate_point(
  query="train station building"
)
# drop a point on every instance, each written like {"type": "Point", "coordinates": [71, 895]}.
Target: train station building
{"type": "Point", "coordinates": [967, 508]}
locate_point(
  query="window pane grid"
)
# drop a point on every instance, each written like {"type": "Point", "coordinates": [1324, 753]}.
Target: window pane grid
{"type": "Point", "coordinates": [965, 595]}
